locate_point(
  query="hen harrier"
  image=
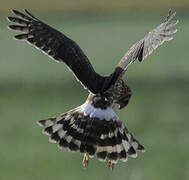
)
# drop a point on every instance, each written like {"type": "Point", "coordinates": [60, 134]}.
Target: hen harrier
{"type": "Point", "coordinates": [92, 128]}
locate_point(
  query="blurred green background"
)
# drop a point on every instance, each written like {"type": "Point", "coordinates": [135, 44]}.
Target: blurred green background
{"type": "Point", "coordinates": [33, 87]}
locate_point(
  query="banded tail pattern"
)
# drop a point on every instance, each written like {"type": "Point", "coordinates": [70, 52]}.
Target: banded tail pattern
{"type": "Point", "coordinates": [106, 139]}
{"type": "Point", "coordinates": [93, 128]}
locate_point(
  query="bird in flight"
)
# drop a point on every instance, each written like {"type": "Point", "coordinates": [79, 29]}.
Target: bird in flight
{"type": "Point", "coordinates": [93, 128]}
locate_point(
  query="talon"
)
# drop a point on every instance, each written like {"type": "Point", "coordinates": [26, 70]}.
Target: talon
{"type": "Point", "coordinates": [111, 165]}
{"type": "Point", "coordinates": [85, 160]}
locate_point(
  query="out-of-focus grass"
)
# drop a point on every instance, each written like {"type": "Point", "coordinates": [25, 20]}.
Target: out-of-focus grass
{"type": "Point", "coordinates": [85, 6]}
{"type": "Point", "coordinates": [32, 88]}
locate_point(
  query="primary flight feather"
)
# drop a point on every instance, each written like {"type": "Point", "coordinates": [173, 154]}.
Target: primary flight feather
{"type": "Point", "coordinates": [93, 128]}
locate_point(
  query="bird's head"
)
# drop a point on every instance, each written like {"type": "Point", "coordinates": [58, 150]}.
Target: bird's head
{"type": "Point", "coordinates": [102, 101]}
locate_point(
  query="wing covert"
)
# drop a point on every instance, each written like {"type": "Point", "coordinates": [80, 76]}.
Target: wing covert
{"type": "Point", "coordinates": [58, 46]}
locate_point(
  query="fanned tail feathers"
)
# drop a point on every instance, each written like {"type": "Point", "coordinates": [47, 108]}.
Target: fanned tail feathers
{"type": "Point", "coordinates": [107, 140]}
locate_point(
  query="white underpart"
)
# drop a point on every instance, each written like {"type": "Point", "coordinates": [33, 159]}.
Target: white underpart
{"type": "Point", "coordinates": [92, 112]}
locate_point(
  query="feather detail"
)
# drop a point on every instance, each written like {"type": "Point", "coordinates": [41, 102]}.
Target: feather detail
{"type": "Point", "coordinates": [102, 136]}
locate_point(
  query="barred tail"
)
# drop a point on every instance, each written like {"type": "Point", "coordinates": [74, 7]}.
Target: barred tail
{"type": "Point", "coordinates": [107, 140]}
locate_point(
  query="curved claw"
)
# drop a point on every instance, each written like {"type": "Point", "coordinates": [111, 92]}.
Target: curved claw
{"type": "Point", "coordinates": [111, 165]}
{"type": "Point", "coordinates": [85, 160]}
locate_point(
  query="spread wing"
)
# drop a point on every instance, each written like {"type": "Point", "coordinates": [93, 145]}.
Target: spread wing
{"type": "Point", "coordinates": [58, 46]}
{"type": "Point", "coordinates": [140, 51]}
{"type": "Point", "coordinates": [149, 43]}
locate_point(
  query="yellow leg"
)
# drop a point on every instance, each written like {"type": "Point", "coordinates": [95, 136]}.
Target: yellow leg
{"type": "Point", "coordinates": [111, 165]}
{"type": "Point", "coordinates": [85, 160]}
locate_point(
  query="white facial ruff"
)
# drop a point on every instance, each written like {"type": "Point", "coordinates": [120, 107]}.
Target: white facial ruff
{"type": "Point", "coordinates": [92, 112]}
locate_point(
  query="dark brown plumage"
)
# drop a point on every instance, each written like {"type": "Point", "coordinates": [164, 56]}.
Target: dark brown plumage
{"type": "Point", "coordinates": [94, 127]}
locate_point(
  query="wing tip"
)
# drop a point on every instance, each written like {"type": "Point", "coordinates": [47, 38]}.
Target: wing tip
{"type": "Point", "coordinates": [171, 15]}
{"type": "Point", "coordinates": [29, 14]}
{"type": "Point", "coordinates": [9, 18]}
{"type": "Point", "coordinates": [27, 11]}
{"type": "Point", "coordinates": [10, 27]}
{"type": "Point", "coordinates": [21, 37]}
{"type": "Point", "coordinates": [16, 12]}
